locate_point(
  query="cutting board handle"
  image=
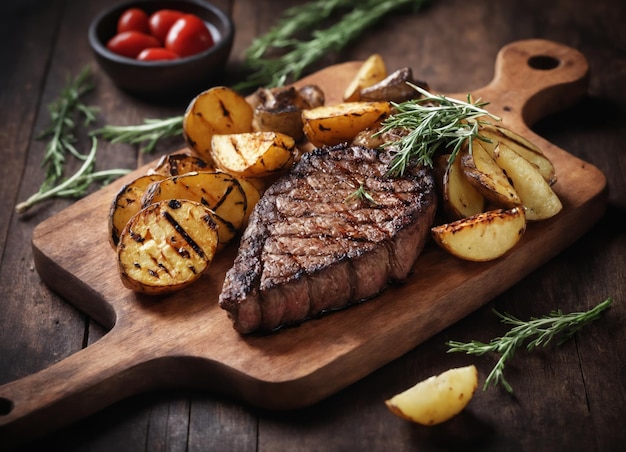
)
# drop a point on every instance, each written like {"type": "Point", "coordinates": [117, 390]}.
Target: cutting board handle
{"type": "Point", "coordinates": [79, 385]}
{"type": "Point", "coordinates": [534, 78]}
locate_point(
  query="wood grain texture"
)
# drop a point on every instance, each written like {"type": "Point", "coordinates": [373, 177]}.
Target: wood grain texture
{"type": "Point", "coordinates": [185, 339]}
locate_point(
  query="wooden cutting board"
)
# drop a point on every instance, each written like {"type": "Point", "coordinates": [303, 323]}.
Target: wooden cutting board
{"type": "Point", "coordinates": [186, 340]}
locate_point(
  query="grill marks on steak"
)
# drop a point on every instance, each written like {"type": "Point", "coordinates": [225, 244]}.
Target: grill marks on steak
{"type": "Point", "coordinates": [310, 248]}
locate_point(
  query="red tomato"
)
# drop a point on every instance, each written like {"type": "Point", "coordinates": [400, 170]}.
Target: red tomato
{"type": "Point", "coordinates": [161, 21]}
{"type": "Point", "coordinates": [131, 43]}
{"type": "Point", "coordinates": [133, 19]}
{"type": "Point", "coordinates": [189, 35]}
{"type": "Point", "coordinates": [157, 54]}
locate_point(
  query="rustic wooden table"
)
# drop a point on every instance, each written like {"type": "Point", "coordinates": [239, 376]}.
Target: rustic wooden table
{"type": "Point", "coordinates": [570, 397]}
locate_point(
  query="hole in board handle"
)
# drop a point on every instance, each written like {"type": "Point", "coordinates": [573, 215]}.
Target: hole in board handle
{"type": "Point", "coordinates": [6, 406]}
{"type": "Point", "coordinates": [543, 62]}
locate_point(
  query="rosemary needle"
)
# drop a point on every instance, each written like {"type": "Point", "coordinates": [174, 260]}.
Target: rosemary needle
{"type": "Point", "coordinates": [538, 331]}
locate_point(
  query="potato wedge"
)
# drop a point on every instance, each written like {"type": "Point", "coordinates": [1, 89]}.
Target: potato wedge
{"type": "Point", "coordinates": [220, 192]}
{"type": "Point", "coordinates": [166, 246]}
{"type": "Point", "coordinates": [218, 110]}
{"type": "Point", "coordinates": [524, 147]}
{"type": "Point", "coordinates": [280, 109]}
{"type": "Point", "coordinates": [334, 124]}
{"type": "Point", "coordinates": [438, 398]}
{"type": "Point", "coordinates": [460, 198]}
{"type": "Point", "coordinates": [482, 237]}
{"type": "Point", "coordinates": [254, 154]}
{"type": "Point", "coordinates": [394, 88]}
{"type": "Point", "coordinates": [372, 71]}
{"type": "Point", "coordinates": [487, 177]}
{"type": "Point", "coordinates": [538, 199]}
{"type": "Point", "coordinates": [127, 202]}
{"type": "Point", "coordinates": [177, 164]}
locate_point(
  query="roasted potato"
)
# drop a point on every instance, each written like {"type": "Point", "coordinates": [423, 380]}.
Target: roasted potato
{"type": "Point", "coordinates": [218, 110]}
{"type": "Point", "coordinates": [372, 71]}
{"type": "Point", "coordinates": [438, 398]}
{"type": "Point", "coordinates": [538, 199]}
{"type": "Point", "coordinates": [166, 246]}
{"type": "Point", "coordinates": [280, 109]}
{"type": "Point", "coordinates": [482, 237]}
{"type": "Point", "coordinates": [460, 198]}
{"type": "Point", "coordinates": [487, 177]}
{"type": "Point", "coordinates": [331, 125]}
{"type": "Point", "coordinates": [498, 134]}
{"type": "Point", "coordinates": [127, 202]}
{"type": "Point", "coordinates": [255, 154]}
{"type": "Point", "coordinates": [393, 88]}
{"type": "Point", "coordinates": [181, 163]}
{"type": "Point", "coordinates": [220, 192]}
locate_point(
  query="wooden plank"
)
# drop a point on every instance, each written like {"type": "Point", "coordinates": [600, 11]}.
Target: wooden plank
{"type": "Point", "coordinates": [185, 339]}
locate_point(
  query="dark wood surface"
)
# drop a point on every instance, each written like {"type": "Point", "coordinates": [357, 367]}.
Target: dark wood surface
{"type": "Point", "coordinates": [567, 397]}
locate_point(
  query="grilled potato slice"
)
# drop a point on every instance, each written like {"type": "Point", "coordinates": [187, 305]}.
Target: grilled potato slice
{"type": "Point", "coordinates": [255, 154]}
{"type": "Point", "coordinates": [438, 398]}
{"type": "Point", "coordinates": [218, 110]}
{"type": "Point", "coordinates": [487, 177]}
{"type": "Point", "coordinates": [220, 192]}
{"type": "Point", "coordinates": [166, 246]}
{"type": "Point", "coordinates": [498, 134]}
{"type": "Point", "coordinates": [127, 202]}
{"type": "Point", "coordinates": [334, 124]}
{"type": "Point", "coordinates": [460, 198]}
{"type": "Point", "coordinates": [538, 199]}
{"type": "Point", "coordinates": [372, 71]}
{"type": "Point", "coordinates": [482, 237]}
{"type": "Point", "coordinates": [177, 164]}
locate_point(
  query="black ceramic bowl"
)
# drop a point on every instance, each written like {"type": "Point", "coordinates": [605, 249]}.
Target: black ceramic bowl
{"type": "Point", "coordinates": [163, 80]}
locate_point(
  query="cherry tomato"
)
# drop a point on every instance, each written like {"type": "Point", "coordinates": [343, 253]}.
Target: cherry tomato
{"type": "Point", "coordinates": [131, 43]}
{"type": "Point", "coordinates": [161, 21]}
{"type": "Point", "coordinates": [157, 54]}
{"type": "Point", "coordinates": [133, 19]}
{"type": "Point", "coordinates": [189, 35]}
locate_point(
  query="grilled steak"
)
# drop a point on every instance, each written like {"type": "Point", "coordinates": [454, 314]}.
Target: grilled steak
{"type": "Point", "coordinates": [312, 245]}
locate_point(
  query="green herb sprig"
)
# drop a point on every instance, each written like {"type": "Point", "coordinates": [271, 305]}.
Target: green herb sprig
{"type": "Point", "coordinates": [299, 54]}
{"type": "Point", "coordinates": [432, 122]}
{"type": "Point", "coordinates": [76, 185]}
{"type": "Point", "coordinates": [537, 331]}
{"type": "Point", "coordinates": [148, 133]}
{"type": "Point", "coordinates": [64, 112]}
{"type": "Point", "coordinates": [361, 194]}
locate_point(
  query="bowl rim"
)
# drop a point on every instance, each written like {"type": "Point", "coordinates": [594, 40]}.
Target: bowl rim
{"type": "Point", "coordinates": [100, 48]}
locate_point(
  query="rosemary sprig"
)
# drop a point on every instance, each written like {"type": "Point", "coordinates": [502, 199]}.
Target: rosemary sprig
{"type": "Point", "coordinates": [538, 331]}
{"type": "Point", "coordinates": [300, 54]}
{"type": "Point", "coordinates": [361, 194]}
{"type": "Point", "coordinates": [76, 185]}
{"type": "Point", "coordinates": [61, 132]}
{"type": "Point", "coordinates": [150, 132]}
{"type": "Point", "coordinates": [432, 122]}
